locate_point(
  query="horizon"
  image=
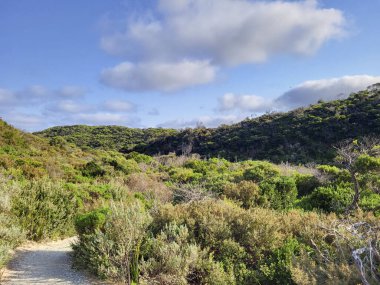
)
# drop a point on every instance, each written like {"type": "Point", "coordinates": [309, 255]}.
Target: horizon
{"type": "Point", "coordinates": [142, 65]}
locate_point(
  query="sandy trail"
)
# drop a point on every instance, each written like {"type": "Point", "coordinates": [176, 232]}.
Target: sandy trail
{"type": "Point", "coordinates": [45, 263]}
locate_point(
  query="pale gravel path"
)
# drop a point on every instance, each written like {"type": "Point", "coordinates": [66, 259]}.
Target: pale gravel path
{"type": "Point", "coordinates": [45, 263]}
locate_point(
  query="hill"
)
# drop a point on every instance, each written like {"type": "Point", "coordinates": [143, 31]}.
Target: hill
{"type": "Point", "coordinates": [106, 137]}
{"type": "Point", "coordinates": [26, 155]}
{"type": "Point", "coordinates": [299, 136]}
{"type": "Point", "coordinates": [249, 222]}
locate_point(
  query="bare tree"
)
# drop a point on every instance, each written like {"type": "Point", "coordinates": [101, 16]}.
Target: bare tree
{"type": "Point", "coordinates": [361, 238]}
{"type": "Point", "coordinates": [351, 156]}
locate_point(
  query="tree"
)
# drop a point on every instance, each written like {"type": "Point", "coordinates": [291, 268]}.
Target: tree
{"type": "Point", "coordinates": [362, 161]}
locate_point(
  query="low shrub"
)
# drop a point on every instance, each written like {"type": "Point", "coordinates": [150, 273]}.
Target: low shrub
{"type": "Point", "coordinates": [44, 209]}
{"type": "Point", "coordinates": [109, 241]}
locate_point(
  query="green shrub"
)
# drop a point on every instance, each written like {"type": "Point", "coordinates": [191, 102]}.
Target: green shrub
{"type": "Point", "coordinates": [111, 248]}
{"type": "Point", "coordinates": [281, 192]}
{"type": "Point", "coordinates": [306, 184]}
{"type": "Point", "coordinates": [172, 259]}
{"type": "Point", "coordinates": [44, 209]}
{"type": "Point", "coordinates": [260, 170]}
{"type": "Point", "coordinates": [247, 193]}
{"type": "Point", "coordinates": [277, 268]}
{"type": "Point", "coordinates": [329, 198]}
{"type": "Point", "coordinates": [11, 235]}
{"type": "Point", "coordinates": [88, 223]}
{"type": "Point", "coordinates": [92, 169]}
{"type": "Point", "coordinates": [139, 157]}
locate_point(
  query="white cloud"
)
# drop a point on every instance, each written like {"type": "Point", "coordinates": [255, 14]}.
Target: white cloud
{"type": "Point", "coordinates": [119, 106]}
{"type": "Point", "coordinates": [251, 103]}
{"type": "Point", "coordinates": [306, 93]}
{"type": "Point", "coordinates": [36, 107]}
{"type": "Point", "coordinates": [25, 121]}
{"type": "Point", "coordinates": [226, 31]}
{"type": "Point", "coordinates": [310, 92]}
{"type": "Point", "coordinates": [158, 76]}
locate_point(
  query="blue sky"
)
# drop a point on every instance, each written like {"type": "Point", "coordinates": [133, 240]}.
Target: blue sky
{"type": "Point", "coordinates": [175, 63]}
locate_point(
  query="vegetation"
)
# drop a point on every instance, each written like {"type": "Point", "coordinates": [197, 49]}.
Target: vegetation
{"type": "Point", "coordinates": [192, 219]}
{"type": "Point", "coordinates": [300, 136]}
{"type": "Point", "coordinates": [105, 137]}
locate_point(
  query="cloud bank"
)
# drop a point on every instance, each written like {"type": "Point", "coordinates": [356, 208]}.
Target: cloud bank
{"type": "Point", "coordinates": [306, 93]}
{"type": "Point", "coordinates": [194, 37]}
{"type": "Point", "coordinates": [37, 107]}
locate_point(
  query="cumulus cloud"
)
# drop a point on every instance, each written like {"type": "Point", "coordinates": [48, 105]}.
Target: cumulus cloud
{"type": "Point", "coordinates": [227, 32]}
{"type": "Point", "coordinates": [158, 76]}
{"type": "Point", "coordinates": [306, 93]}
{"type": "Point", "coordinates": [310, 92]}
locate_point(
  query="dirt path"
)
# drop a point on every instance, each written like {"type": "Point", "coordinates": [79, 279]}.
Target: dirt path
{"type": "Point", "coordinates": [47, 263]}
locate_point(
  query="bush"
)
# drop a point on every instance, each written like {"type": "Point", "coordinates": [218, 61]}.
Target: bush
{"type": "Point", "coordinates": [281, 192]}
{"type": "Point", "coordinates": [11, 235]}
{"type": "Point", "coordinates": [260, 170]}
{"type": "Point", "coordinates": [92, 169]}
{"type": "Point", "coordinates": [329, 198]}
{"type": "Point", "coordinates": [306, 184]}
{"type": "Point", "coordinates": [89, 223]}
{"type": "Point", "coordinates": [45, 209]}
{"type": "Point", "coordinates": [111, 248]}
{"type": "Point", "coordinates": [172, 259]}
{"type": "Point", "coordinates": [247, 193]}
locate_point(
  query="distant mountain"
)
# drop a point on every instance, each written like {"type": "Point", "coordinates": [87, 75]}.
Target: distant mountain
{"type": "Point", "coordinates": [299, 136]}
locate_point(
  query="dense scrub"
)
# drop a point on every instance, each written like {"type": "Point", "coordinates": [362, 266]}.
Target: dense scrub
{"type": "Point", "coordinates": [299, 136]}
{"type": "Point", "coordinates": [302, 135]}
{"type": "Point", "coordinates": [106, 137]}
{"type": "Point", "coordinates": [189, 219]}
{"type": "Point", "coordinates": [248, 222]}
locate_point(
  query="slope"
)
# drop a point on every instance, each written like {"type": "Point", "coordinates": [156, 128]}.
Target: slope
{"type": "Point", "coordinates": [299, 136]}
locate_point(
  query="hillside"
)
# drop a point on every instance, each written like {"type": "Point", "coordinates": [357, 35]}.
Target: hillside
{"type": "Point", "coordinates": [299, 136]}
{"type": "Point", "coordinates": [238, 223]}
{"type": "Point", "coordinates": [106, 137]}
{"type": "Point", "coordinates": [26, 155]}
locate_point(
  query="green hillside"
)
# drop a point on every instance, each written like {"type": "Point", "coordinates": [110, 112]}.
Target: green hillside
{"type": "Point", "coordinates": [299, 136]}
{"type": "Point", "coordinates": [196, 220]}
{"type": "Point", "coordinates": [302, 135]}
{"type": "Point", "coordinates": [106, 137]}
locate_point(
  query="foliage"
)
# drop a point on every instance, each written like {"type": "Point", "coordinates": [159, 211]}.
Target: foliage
{"type": "Point", "coordinates": [110, 240]}
{"type": "Point", "coordinates": [44, 209]}
{"type": "Point", "coordinates": [11, 234]}
{"type": "Point", "coordinates": [208, 218]}
{"type": "Point", "coordinates": [299, 136]}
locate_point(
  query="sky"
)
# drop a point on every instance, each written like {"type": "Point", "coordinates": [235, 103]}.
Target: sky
{"type": "Point", "coordinates": [179, 63]}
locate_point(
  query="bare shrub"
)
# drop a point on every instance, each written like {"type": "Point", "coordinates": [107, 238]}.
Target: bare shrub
{"type": "Point", "coordinates": [149, 186]}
